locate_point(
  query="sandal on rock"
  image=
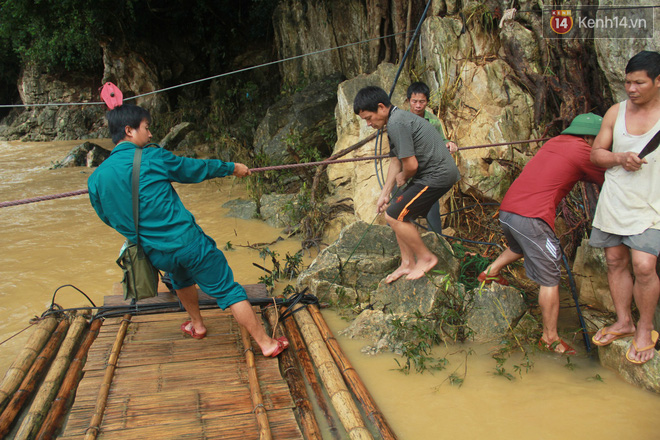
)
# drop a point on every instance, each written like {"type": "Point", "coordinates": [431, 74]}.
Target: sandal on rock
{"type": "Point", "coordinates": [603, 333]}
{"type": "Point", "coordinates": [487, 279]}
{"type": "Point", "coordinates": [654, 338]}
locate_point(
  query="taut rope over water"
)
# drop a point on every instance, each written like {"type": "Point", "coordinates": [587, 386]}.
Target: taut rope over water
{"type": "Point", "coordinates": [262, 169]}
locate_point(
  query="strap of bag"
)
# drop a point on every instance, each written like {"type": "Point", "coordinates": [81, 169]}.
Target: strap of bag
{"type": "Point", "coordinates": [135, 181]}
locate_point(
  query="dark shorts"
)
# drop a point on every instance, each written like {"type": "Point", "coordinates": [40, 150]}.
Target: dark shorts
{"type": "Point", "coordinates": [415, 201]}
{"type": "Point", "coordinates": [648, 241]}
{"type": "Point", "coordinates": [202, 263]}
{"type": "Point", "coordinates": [535, 239]}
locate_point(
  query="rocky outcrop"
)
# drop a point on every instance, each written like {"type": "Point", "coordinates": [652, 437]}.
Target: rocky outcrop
{"type": "Point", "coordinates": [59, 122]}
{"type": "Point", "coordinates": [351, 269]}
{"type": "Point", "coordinates": [302, 121]}
{"type": "Point", "coordinates": [590, 272]}
{"type": "Point", "coordinates": [494, 312]}
{"type": "Point", "coordinates": [177, 136]}
{"type": "Point", "coordinates": [614, 53]}
{"type": "Point", "coordinates": [87, 154]}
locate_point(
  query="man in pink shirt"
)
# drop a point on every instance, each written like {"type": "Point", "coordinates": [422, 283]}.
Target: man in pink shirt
{"type": "Point", "coordinates": [528, 211]}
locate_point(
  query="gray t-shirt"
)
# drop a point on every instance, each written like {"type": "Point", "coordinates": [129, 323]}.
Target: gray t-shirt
{"type": "Point", "coordinates": [411, 135]}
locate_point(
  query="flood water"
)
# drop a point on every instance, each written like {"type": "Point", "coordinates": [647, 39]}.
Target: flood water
{"type": "Point", "coordinates": [53, 243]}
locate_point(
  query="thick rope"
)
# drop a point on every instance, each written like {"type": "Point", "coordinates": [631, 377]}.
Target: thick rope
{"type": "Point", "coordinates": [262, 169]}
{"type": "Point", "coordinates": [42, 198]}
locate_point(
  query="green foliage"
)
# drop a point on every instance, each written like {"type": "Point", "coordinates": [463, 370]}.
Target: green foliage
{"type": "Point", "coordinates": [66, 34]}
{"type": "Point", "coordinates": [472, 264]}
{"type": "Point", "coordinates": [292, 267]}
{"type": "Point", "coordinates": [570, 365]}
{"type": "Point", "coordinates": [596, 378]}
{"type": "Point", "coordinates": [420, 335]}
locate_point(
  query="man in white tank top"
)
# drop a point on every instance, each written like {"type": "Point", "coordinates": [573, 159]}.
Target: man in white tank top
{"type": "Point", "coordinates": [627, 220]}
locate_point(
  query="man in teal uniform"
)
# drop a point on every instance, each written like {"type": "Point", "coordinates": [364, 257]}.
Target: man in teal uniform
{"type": "Point", "coordinates": [168, 232]}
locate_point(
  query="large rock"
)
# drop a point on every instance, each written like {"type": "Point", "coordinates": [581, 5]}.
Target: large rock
{"type": "Point", "coordinates": [176, 135]}
{"type": "Point", "coordinates": [494, 311]}
{"type": "Point", "coordinates": [241, 208]}
{"type": "Point", "coordinates": [301, 120]}
{"type": "Point", "coordinates": [278, 209]}
{"type": "Point", "coordinates": [87, 154]}
{"type": "Point", "coordinates": [590, 272]}
{"type": "Point", "coordinates": [406, 297]}
{"type": "Point", "coordinates": [614, 53]}
{"type": "Point", "coordinates": [63, 122]}
{"type": "Point", "coordinates": [351, 269]}
{"type": "Point", "coordinates": [644, 376]}
{"type": "Point", "coordinates": [484, 103]}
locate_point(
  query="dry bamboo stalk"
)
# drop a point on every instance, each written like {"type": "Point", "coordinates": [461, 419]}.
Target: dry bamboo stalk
{"type": "Point", "coordinates": [310, 374]}
{"type": "Point", "coordinates": [53, 420]}
{"type": "Point", "coordinates": [44, 398]}
{"type": "Point", "coordinates": [255, 389]}
{"type": "Point", "coordinates": [340, 396]}
{"type": "Point", "coordinates": [33, 377]}
{"type": "Point", "coordinates": [95, 423]}
{"type": "Point", "coordinates": [352, 378]}
{"type": "Point", "coordinates": [19, 368]}
{"type": "Point", "coordinates": [293, 377]}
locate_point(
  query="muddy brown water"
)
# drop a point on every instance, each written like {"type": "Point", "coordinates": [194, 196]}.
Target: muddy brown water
{"type": "Point", "coordinates": [53, 243]}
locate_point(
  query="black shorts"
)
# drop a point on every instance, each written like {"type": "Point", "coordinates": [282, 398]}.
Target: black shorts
{"type": "Point", "coordinates": [415, 201]}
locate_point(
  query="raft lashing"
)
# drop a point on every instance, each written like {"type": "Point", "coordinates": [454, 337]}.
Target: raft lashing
{"type": "Point", "coordinates": [139, 376]}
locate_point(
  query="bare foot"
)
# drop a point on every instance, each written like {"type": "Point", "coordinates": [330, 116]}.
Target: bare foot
{"type": "Point", "coordinates": [422, 267]}
{"type": "Point", "coordinates": [398, 273]}
{"type": "Point", "coordinates": [607, 335]}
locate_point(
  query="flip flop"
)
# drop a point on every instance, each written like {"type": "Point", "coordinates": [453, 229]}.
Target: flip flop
{"type": "Point", "coordinates": [654, 338]}
{"type": "Point", "coordinates": [568, 350]}
{"type": "Point", "coordinates": [282, 344]}
{"type": "Point", "coordinates": [191, 332]}
{"type": "Point", "coordinates": [487, 279]}
{"type": "Point", "coordinates": [617, 335]}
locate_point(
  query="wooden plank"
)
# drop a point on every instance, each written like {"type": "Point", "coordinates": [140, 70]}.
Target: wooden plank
{"type": "Point", "coordinates": [239, 427]}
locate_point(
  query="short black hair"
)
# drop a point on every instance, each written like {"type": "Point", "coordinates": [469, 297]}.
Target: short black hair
{"type": "Point", "coordinates": [419, 87]}
{"type": "Point", "coordinates": [645, 60]}
{"type": "Point", "coordinates": [368, 98]}
{"type": "Point", "coordinates": [125, 115]}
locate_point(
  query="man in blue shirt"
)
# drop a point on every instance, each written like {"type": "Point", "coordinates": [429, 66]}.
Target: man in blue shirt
{"type": "Point", "coordinates": [168, 232]}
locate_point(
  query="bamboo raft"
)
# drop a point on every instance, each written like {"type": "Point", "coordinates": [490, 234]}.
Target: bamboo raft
{"type": "Point", "coordinates": [139, 376]}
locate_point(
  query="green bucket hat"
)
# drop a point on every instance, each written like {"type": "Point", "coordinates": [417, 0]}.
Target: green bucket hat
{"type": "Point", "coordinates": [586, 124]}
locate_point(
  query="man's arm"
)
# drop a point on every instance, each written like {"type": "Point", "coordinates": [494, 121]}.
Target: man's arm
{"type": "Point", "coordinates": [601, 152]}
{"type": "Point", "coordinates": [393, 171]}
{"type": "Point", "coordinates": [409, 169]}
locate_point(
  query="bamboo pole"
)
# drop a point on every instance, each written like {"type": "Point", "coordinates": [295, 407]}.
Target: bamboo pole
{"type": "Point", "coordinates": [95, 423]}
{"type": "Point", "coordinates": [310, 374]}
{"type": "Point", "coordinates": [292, 375]}
{"type": "Point", "coordinates": [351, 377]}
{"type": "Point", "coordinates": [340, 396]}
{"type": "Point", "coordinates": [51, 384]}
{"type": "Point", "coordinates": [255, 389]}
{"type": "Point", "coordinates": [32, 379]}
{"type": "Point", "coordinates": [53, 420]}
{"type": "Point", "coordinates": [20, 367]}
